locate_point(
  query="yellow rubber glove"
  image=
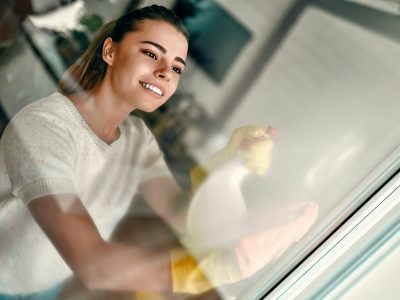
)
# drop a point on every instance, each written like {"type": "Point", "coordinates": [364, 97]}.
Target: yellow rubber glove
{"type": "Point", "coordinates": [257, 154]}
{"type": "Point", "coordinates": [192, 277]}
{"type": "Point", "coordinates": [149, 296]}
{"type": "Point", "coordinates": [253, 142]}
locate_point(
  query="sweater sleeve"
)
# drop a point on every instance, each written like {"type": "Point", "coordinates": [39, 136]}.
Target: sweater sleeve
{"type": "Point", "coordinates": [154, 162]}
{"type": "Point", "coordinates": [39, 156]}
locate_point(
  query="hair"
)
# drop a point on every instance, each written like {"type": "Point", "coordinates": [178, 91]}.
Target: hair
{"type": "Point", "coordinates": [89, 70]}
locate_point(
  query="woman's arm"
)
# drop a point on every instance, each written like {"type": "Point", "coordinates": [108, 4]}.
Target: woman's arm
{"type": "Point", "coordinates": [163, 195]}
{"type": "Point", "coordinates": [96, 263]}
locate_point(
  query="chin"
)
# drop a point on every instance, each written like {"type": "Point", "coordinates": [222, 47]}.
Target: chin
{"type": "Point", "coordinates": [149, 109]}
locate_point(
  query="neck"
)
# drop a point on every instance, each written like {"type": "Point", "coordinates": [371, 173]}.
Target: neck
{"type": "Point", "coordinates": [102, 112]}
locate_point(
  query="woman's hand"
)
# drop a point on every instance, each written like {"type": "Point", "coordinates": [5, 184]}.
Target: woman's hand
{"type": "Point", "coordinates": [194, 276]}
{"type": "Point", "coordinates": [255, 144]}
{"type": "Point", "coordinates": [222, 267]}
{"type": "Point", "coordinates": [257, 250]}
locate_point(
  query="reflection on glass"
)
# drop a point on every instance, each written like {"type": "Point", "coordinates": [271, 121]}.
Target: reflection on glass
{"type": "Point", "coordinates": [255, 202]}
{"type": "Point", "coordinates": [212, 30]}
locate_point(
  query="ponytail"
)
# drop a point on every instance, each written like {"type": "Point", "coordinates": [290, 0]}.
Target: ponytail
{"type": "Point", "coordinates": [90, 69]}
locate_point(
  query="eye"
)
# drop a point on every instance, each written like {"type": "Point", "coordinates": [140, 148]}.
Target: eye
{"type": "Point", "coordinates": [150, 54]}
{"type": "Point", "coordinates": [177, 70]}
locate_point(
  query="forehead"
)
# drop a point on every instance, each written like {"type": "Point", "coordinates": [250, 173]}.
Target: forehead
{"type": "Point", "coordinates": [161, 33]}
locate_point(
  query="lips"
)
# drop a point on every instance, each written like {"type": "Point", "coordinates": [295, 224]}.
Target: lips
{"type": "Point", "coordinates": [152, 88]}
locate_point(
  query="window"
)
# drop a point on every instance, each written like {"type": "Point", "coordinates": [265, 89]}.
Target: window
{"type": "Point", "coordinates": [322, 74]}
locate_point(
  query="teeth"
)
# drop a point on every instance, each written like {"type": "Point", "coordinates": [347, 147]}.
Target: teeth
{"type": "Point", "coordinates": [152, 88]}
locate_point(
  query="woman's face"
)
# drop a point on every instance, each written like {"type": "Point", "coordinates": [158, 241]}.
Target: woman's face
{"type": "Point", "coordinates": [146, 65]}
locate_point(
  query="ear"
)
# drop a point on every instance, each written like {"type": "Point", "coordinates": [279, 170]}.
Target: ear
{"type": "Point", "coordinates": [108, 51]}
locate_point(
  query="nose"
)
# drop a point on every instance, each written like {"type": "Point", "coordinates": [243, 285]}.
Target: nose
{"type": "Point", "coordinates": [163, 72]}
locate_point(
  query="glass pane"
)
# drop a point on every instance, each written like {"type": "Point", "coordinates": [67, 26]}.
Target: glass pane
{"type": "Point", "coordinates": [330, 89]}
{"type": "Point", "coordinates": [285, 121]}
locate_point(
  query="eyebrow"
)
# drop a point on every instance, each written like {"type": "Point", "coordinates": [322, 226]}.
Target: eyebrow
{"type": "Point", "coordinates": [163, 50]}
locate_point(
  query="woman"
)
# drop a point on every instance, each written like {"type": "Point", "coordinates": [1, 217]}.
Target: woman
{"type": "Point", "coordinates": [70, 165]}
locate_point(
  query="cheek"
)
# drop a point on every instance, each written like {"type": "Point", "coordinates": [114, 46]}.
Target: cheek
{"type": "Point", "coordinates": [123, 77]}
{"type": "Point", "coordinates": [127, 66]}
{"type": "Point", "coordinates": [173, 89]}
{"type": "Point", "coordinates": [121, 81]}
{"type": "Point", "coordinates": [173, 86]}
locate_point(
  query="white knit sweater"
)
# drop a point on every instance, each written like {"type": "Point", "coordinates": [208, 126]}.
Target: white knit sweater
{"type": "Point", "coordinates": [49, 149]}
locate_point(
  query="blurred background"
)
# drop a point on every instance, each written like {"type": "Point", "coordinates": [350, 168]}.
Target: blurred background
{"type": "Point", "coordinates": [325, 73]}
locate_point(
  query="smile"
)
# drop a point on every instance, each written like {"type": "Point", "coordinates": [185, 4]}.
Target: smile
{"type": "Point", "coordinates": [152, 88]}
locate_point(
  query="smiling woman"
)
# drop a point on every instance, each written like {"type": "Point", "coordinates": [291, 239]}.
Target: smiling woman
{"type": "Point", "coordinates": [128, 56]}
{"type": "Point", "coordinates": [157, 53]}
{"type": "Point", "coordinates": [70, 164]}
